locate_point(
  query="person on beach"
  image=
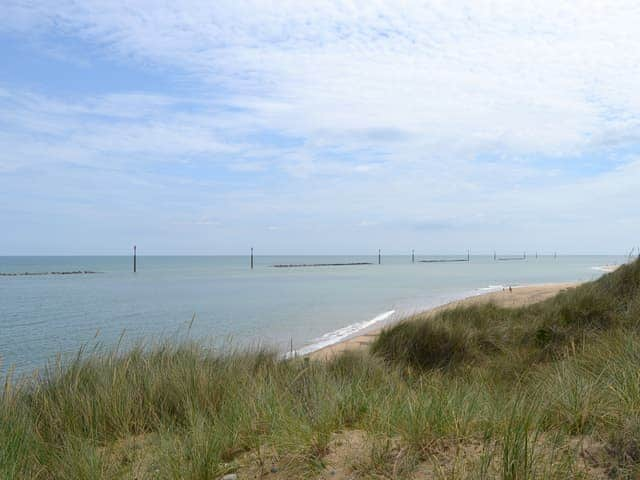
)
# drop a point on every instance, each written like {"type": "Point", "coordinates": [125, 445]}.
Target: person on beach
{"type": "Point", "coordinates": [510, 289]}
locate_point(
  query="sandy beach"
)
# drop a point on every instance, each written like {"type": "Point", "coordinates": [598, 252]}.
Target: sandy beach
{"type": "Point", "coordinates": [519, 296]}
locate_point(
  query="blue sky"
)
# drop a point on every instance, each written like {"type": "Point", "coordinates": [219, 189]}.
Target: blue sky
{"type": "Point", "coordinates": [337, 127]}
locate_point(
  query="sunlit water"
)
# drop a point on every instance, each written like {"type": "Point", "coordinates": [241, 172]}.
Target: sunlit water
{"type": "Point", "coordinates": [41, 316]}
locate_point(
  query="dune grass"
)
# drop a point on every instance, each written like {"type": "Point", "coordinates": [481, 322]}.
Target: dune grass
{"type": "Point", "coordinates": [546, 391]}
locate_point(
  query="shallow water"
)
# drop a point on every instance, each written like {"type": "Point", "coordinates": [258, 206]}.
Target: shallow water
{"type": "Point", "coordinates": [306, 307]}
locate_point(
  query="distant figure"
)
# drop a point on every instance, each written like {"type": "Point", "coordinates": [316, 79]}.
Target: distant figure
{"type": "Point", "coordinates": [510, 289]}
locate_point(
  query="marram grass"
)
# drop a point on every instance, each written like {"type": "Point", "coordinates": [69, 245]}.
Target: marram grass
{"type": "Point", "coordinates": [546, 391]}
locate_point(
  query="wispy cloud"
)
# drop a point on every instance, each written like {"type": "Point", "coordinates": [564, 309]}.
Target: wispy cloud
{"type": "Point", "coordinates": [546, 74]}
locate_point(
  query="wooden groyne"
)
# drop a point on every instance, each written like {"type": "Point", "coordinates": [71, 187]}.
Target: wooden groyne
{"type": "Point", "coordinates": [507, 259]}
{"type": "Point", "coordinates": [296, 265]}
{"type": "Point", "coordinates": [23, 274]}
{"type": "Point", "coordinates": [444, 260]}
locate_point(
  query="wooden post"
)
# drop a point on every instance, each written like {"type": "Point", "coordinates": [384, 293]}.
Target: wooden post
{"type": "Point", "coordinates": [134, 259]}
{"type": "Point", "coordinates": [494, 255]}
{"type": "Point", "coordinates": [413, 256]}
{"type": "Point", "coordinates": [251, 258]}
{"type": "Point", "coordinates": [468, 255]}
{"type": "Point", "coordinates": [379, 257]}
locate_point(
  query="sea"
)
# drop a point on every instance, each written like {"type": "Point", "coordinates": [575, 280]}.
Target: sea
{"type": "Point", "coordinates": [224, 303]}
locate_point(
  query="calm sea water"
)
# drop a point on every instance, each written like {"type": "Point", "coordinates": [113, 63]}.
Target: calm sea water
{"type": "Point", "coordinates": [41, 316]}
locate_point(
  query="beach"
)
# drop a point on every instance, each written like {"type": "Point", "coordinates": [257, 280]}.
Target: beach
{"type": "Point", "coordinates": [517, 297]}
{"type": "Point", "coordinates": [357, 241]}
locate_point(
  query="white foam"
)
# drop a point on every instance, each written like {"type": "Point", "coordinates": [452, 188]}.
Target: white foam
{"type": "Point", "coordinates": [339, 335]}
{"type": "Point", "coordinates": [605, 268]}
{"type": "Point", "coordinates": [491, 288]}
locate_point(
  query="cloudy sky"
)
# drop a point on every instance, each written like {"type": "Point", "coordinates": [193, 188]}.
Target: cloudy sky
{"type": "Point", "coordinates": [205, 127]}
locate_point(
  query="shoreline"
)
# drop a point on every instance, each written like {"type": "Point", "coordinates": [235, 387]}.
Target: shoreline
{"type": "Point", "coordinates": [521, 295]}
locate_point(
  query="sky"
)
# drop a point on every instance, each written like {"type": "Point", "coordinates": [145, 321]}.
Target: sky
{"type": "Point", "coordinates": [319, 127]}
